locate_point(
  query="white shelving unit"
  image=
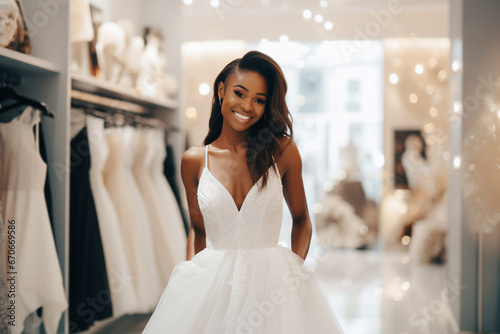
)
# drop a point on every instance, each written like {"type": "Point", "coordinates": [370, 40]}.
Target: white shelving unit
{"type": "Point", "coordinates": [45, 76]}
{"type": "Point", "coordinates": [18, 62]}
{"type": "Point", "coordinates": [95, 86]}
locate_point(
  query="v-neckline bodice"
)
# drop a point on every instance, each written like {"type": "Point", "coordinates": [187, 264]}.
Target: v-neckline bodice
{"type": "Point", "coordinates": [225, 190]}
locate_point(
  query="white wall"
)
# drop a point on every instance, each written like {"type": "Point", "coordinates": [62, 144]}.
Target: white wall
{"type": "Point", "coordinates": [474, 200]}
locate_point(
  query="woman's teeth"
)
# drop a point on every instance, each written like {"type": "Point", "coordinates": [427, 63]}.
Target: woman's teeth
{"type": "Point", "coordinates": [241, 116]}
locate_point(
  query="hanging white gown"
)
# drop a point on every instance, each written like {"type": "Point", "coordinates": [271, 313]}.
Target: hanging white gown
{"type": "Point", "coordinates": [123, 293]}
{"type": "Point", "coordinates": [133, 217]}
{"type": "Point", "coordinates": [145, 153]}
{"type": "Point", "coordinates": [243, 281]}
{"type": "Point", "coordinates": [155, 285]}
{"type": "Point", "coordinates": [22, 178]}
{"type": "Point", "coordinates": [175, 226]}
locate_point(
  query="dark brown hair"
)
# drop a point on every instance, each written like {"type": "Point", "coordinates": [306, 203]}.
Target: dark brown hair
{"type": "Point", "coordinates": [264, 138]}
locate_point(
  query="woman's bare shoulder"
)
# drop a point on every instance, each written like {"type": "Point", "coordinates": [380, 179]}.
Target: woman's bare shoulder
{"type": "Point", "coordinates": [289, 147]}
{"type": "Point", "coordinates": [290, 155]}
{"type": "Point", "coordinates": [192, 160]}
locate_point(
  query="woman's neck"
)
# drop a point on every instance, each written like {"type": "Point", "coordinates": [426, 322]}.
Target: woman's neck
{"type": "Point", "coordinates": [232, 140]}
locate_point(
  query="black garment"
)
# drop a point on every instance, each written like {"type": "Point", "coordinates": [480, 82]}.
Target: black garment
{"type": "Point", "coordinates": [169, 171]}
{"type": "Point", "coordinates": [89, 294]}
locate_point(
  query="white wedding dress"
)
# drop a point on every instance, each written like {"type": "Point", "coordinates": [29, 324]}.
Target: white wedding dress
{"type": "Point", "coordinates": [134, 223]}
{"type": "Point", "coordinates": [243, 282]}
{"type": "Point", "coordinates": [145, 153]}
{"type": "Point", "coordinates": [124, 296]}
{"type": "Point", "coordinates": [38, 276]}
{"type": "Point", "coordinates": [177, 239]}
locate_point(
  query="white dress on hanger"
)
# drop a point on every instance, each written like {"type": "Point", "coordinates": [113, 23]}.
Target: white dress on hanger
{"type": "Point", "coordinates": [243, 281]}
{"type": "Point", "coordinates": [177, 233]}
{"type": "Point", "coordinates": [155, 285]}
{"type": "Point", "coordinates": [134, 218]}
{"type": "Point", "coordinates": [123, 294]}
{"type": "Point", "coordinates": [145, 153]}
{"type": "Point", "coordinates": [22, 179]}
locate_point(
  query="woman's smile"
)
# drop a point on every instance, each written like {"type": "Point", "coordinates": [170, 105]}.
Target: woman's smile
{"type": "Point", "coordinates": [241, 117]}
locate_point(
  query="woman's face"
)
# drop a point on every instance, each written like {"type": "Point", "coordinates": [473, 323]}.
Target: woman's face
{"type": "Point", "coordinates": [243, 99]}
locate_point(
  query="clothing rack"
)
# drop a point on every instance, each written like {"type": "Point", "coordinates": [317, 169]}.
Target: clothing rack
{"type": "Point", "coordinates": [117, 113]}
{"type": "Point", "coordinates": [8, 93]}
{"type": "Point", "coordinates": [96, 101]}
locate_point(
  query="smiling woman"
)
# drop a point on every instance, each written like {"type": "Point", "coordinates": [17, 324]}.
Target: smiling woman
{"type": "Point", "coordinates": [253, 86]}
{"type": "Point", "coordinates": [241, 280]}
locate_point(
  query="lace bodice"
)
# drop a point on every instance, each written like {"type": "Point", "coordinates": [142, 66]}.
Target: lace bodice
{"type": "Point", "coordinates": [258, 222]}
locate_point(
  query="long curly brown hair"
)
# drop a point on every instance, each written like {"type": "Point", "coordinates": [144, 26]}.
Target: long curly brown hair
{"type": "Point", "coordinates": [264, 137]}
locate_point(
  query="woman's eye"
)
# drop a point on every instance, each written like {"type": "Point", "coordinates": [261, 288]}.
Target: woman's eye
{"type": "Point", "coordinates": [260, 101]}
{"type": "Point", "coordinates": [238, 94]}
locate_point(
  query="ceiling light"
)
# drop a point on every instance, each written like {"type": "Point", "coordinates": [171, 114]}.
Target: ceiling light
{"type": "Point", "coordinates": [191, 113]}
{"type": "Point", "coordinates": [204, 89]}
{"type": "Point", "coordinates": [419, 69]}
{"type": "Point", "coordinates": [393, 78]}
{"type": "Point", "coordinates": [413, 98]}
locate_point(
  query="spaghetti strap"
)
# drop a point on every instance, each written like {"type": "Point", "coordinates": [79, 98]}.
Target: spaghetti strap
{"type": "Point", "coordinates": [206, 156]}
{"type": "Point", "coordinates": [276, 169]}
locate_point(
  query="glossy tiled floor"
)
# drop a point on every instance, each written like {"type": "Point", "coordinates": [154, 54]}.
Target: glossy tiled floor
{"type": "Point", "coordinates": [374, 292]}
{"type": "Point", "coordinates": [371, 292]}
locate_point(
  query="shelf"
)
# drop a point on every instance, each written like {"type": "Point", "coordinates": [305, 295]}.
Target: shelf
{"type": "Point", "coordinates": [20, 63]}
{"type": "Point", "coordinates": [91, 85]}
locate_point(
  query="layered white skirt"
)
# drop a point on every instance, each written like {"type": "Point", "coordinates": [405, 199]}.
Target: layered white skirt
{"type": "Point", "coordinates": [243, 291]}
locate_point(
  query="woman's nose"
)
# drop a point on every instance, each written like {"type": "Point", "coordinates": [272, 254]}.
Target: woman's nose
{"type": "Point", "coordinates": [247, 104]}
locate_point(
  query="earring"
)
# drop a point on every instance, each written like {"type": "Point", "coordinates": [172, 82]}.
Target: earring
{"type": "Point", "coordinates": [220, 101]}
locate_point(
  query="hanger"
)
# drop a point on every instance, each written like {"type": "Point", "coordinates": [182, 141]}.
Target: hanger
{"type": "Point", "coordinates": [8, 93]}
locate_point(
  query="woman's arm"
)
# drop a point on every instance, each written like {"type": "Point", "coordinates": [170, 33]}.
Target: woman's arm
{"type": "Point", "coordinates": [190, 167]}
{"type": "Point", "coordinates": [293, 190]}
{"type": "Point", "coordinates": [190, 245]}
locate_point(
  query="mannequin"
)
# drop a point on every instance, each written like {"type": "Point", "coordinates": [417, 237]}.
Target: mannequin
{"type": "Point", "coordinates": [429, 220]}
{"type": "Point", "coordinates": [154, 65]}
{"type": "Point", "coordinates": [349, 160]}
{"type": "Point", "coordinates": [348, 218]}
{"type": "Point", "coordinates": [111, 44]}
{"type": "Point", "coordinates": [416, 167]}
{"type": "Point", "coordinates": [130, 60]}
{"type": "Point", "coordinates": [9, 14]}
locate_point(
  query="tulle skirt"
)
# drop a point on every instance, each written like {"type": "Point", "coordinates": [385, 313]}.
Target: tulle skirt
{"type": "Point", "coordinates": [243, 291]}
